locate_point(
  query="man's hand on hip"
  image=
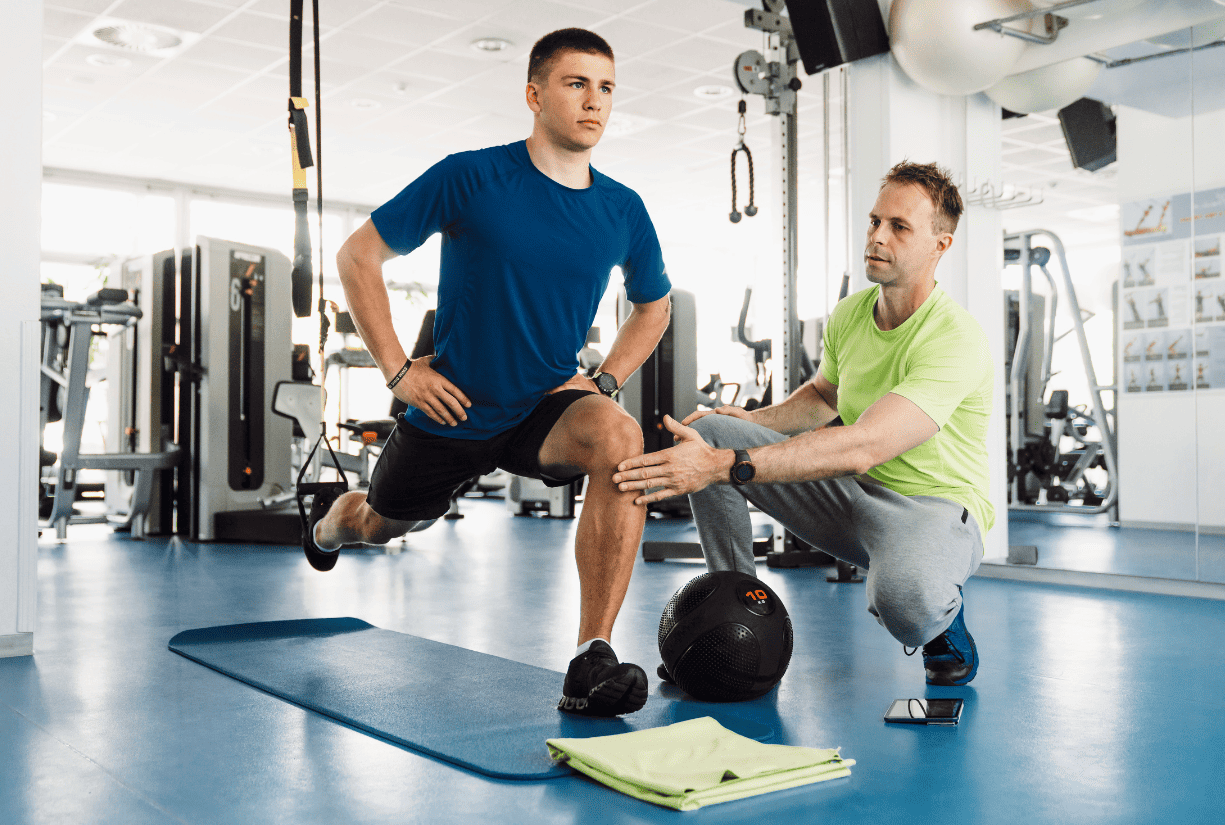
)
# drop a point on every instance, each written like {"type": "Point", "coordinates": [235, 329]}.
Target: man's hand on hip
{"type": "Point", "coordinates": [429, 391]}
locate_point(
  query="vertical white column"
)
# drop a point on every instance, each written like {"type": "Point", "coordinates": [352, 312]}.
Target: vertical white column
{"type": "Point", "coordinates": [893, 119]}
{"type": "Point", "coordinates": [20, 203]}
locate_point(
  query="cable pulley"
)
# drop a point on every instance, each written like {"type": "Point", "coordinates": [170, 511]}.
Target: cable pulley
{"type": "Point", "coordinates": [751, 208]}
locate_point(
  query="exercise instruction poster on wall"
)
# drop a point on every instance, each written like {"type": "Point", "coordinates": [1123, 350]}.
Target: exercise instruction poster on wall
{"type": "Point", "coordinates": [1172, 305]}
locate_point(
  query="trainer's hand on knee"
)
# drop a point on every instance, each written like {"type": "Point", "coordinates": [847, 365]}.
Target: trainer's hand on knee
{"type": "Point", "coordinates": [734, 412]}
{"type": "Point", "coordinates": [690, 466]}
{"type": "Point", "coordinates": [431, 392]}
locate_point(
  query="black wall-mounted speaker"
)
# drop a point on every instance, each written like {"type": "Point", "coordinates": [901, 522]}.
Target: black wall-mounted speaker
{"type": "Point", "coordinates": [1089, 128]}
{"type": "Point", "coordinates": [832, 32]}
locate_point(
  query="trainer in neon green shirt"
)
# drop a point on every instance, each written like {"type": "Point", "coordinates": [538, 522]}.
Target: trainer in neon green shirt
{"type": "Point", "coordinates": [902, 489]}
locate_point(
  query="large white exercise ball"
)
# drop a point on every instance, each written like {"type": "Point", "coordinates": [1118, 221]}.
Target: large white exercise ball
{"type": "Point", "coordinates": [1050, 87]}
{"type": "Point", "coordinates": [935, 43]}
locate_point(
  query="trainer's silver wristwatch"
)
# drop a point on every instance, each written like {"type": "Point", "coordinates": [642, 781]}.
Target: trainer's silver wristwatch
{"type": "Point", "coordinates": [606, 382]}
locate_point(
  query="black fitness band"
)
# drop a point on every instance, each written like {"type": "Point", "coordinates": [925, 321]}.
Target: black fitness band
{"type": "Point", "coordinates": [403, 371]}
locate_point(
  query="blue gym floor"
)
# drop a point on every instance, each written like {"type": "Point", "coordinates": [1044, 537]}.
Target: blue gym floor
{"type": "Point", "coordinates": [1072, 541]}
{"type": "Point", "coordinates": [1090, 706]}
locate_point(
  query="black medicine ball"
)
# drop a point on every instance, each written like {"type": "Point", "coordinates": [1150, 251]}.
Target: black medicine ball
{"type": "Point", "coordinates": [725, 637]}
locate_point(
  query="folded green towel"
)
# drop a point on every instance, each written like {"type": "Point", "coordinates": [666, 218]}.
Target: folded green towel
{"type": "Point", "coordinates": [695, 763]}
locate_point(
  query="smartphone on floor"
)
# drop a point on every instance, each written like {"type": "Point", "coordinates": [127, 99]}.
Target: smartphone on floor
{"type": "Point", "coordinates": [925, 711]}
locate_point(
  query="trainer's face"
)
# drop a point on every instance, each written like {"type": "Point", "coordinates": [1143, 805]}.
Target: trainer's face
{"type": "Point", "coordinates": [903, 244]}
{"type": "Point", "coordinates": [573, 104]}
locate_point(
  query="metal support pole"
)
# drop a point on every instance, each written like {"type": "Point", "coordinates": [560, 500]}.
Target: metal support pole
{"type": "Point", "coordinates": [1020, 356]}
{"type": "Point", "coordinates": [789, 161]}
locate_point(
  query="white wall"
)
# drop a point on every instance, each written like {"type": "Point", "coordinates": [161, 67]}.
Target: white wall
{"type": "Point", "coordinates": [21, 172]}
{"type": "Point", "coordinates": [892, 119]}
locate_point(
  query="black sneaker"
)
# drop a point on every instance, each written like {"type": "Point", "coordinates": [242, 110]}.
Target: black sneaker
{"type": "Point", "coordinates": [951, 659]}
{"type": "Point", "coordinates": [597, 685]}
{"type": "Point", "coordinates": [321, 502]}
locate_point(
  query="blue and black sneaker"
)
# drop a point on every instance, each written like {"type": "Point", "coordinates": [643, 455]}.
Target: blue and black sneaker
{"type": "Point", "coordinates": [951, 659]}
{"type": "Point", "coordinates": [598, 685]}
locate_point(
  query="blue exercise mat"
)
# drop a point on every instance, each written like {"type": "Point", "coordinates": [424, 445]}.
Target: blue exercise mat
{"type": "Point", "coordinates": [478, 711]}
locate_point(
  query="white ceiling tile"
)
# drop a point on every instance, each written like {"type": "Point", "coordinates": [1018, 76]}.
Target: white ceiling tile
{"type": "Point", "coordinates": [689, 16]}
{"type": "Point", "coordinates": [75, 58]}
{"type": "Point", "coordinates": [650, 74]}
{"type": "Point", "coordinates": [659, 107]}
{"type": "Point", "coordinates": [332, 13]}
{"type": "Point", "coordinates": [630, 39]}
{"type": "Point", "coordinates": [233, 54]}
{"type": "Point", "coordinates": [260, 29]}
{"type": "Point", "coordinates": [62, 23]}
{"type": "Point", "coordinates": [201, 80]}
{"type": "Point", "coordinates": [734, 31]}
{"type": "Point", "coordinates": [720, 119]}
{"type": "Point", "coordinates": [401, 25]}
{"type": "Point", "coordinates": [183, 15]}
{"type": "Point", "coordinates": [607, 7]}
{"type": "Point", "coordinates": [699, 54]}
{"type": "Point", "coordinates": [448, 68]}
{"type": "Point", "coordinates": [536, 18]}
{"type": "Point", "coordinates": [457, 9]}
{"type": "Point", "coordinates": [272, 85]}
{"type": "Point", "coordinates": [109, 133]}
{"type": "Point", "coordinates": [260, 108]}
{"type": "Point", "coordinates": [360, 50]}
{"type": "Point", "coordinates": [65, 102]}
{"type": "Point", "coordinates": [90, 6]}
{"type": "Point", "coordinates": [52, 46]}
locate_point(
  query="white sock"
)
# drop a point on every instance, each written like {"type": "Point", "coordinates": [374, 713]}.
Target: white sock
{"type": "Point", "coordinates": [585, 646]}
{"type": "Point", "coordinates": [318, 543]}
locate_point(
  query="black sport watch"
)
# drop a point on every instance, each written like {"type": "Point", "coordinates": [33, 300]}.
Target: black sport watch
{"type": "Point", "coordinates": [742, 468]}
{"type": "Point", "coordinates": [606, 382]}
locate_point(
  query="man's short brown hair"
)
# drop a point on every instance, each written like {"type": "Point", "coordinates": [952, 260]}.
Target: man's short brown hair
{"type": "Point", "coordinates": [937, 185]}
{"type": "Point", "coordinates": [539, 63]}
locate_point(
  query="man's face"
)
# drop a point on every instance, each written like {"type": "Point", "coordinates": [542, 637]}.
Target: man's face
{"type": "Point", "coordinates": [574, 102]}
{"type": "Point", "coordinates": [902, 241]}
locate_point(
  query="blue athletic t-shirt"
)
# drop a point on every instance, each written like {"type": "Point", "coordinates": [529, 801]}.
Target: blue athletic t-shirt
{"type": "Point", "coordinates": [525, 262]}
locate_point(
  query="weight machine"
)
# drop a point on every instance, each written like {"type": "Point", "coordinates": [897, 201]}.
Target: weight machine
{"type": "Point", "coordinates": [68, 330]}
{"type": "Point", "coordinates": [1043, 472]}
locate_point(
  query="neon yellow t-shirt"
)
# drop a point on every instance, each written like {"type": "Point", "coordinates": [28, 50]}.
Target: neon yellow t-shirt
{"type": "Point", "coordinates": [938, 359]}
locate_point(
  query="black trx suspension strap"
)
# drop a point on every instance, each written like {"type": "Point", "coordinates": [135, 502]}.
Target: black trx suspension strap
{"type": "Point", "coordinates": [303, 268]}
{"type": "Point", "coordinates": [300, 153]}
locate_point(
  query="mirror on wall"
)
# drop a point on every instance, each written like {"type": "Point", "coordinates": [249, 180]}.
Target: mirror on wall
{"type": "Point", "coordinates": [1121, 315]}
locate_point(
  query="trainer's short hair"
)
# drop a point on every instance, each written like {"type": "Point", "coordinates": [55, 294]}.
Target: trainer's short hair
{"type": "Point", "coordinates": [540, 63]}
{"type": "Point", "coordinates": [938, 186]}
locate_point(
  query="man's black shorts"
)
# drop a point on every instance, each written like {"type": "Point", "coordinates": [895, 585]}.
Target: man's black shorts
{"type": "Point", "coordinates": [418, 472]}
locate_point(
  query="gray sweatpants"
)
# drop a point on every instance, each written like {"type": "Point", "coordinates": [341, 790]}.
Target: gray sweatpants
{"type": "Point", "coordinates": [917, 551]}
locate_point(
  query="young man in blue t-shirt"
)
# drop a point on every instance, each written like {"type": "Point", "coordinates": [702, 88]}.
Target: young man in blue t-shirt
{"type": "Point", "coordinates": [530, 234]}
